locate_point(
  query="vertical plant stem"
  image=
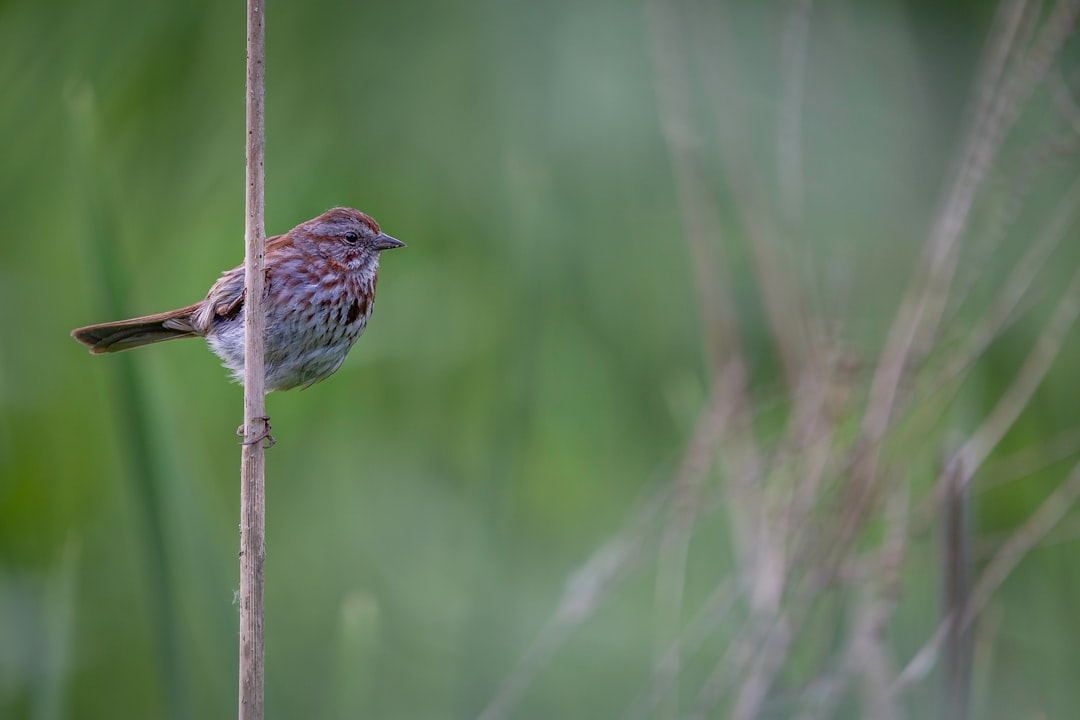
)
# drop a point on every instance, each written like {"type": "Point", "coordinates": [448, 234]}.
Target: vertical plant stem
{"type": "Point", "coordinates": [956, 568]}
{"type": "Point", "coordinates": [252, 466]}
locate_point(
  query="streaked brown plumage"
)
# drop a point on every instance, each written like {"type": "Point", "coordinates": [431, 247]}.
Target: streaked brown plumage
{"type": "Point", "coordinates": [320, 290]}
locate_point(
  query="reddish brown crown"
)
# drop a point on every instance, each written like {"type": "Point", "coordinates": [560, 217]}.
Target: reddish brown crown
{"type": "Point", "coordinates": [341, 213]}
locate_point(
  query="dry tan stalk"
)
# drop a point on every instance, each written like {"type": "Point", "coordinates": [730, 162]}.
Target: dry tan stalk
{"type": "Point", "coordinates": [252, 466]}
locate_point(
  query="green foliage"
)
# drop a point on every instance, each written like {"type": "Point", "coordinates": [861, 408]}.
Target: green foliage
{"type": "Point", "coordinates": [533, 371]}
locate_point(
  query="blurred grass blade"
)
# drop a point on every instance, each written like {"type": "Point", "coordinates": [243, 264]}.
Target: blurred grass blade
{"type": "Point", "coordinates": [131, 406]}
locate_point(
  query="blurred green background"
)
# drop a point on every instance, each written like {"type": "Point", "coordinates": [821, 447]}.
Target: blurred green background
{"type": "Point", "coordinates": [532, 372]}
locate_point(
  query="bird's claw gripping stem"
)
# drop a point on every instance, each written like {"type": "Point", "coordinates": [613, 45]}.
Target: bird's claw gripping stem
{"type": "Point", "coordinates": [264, 435]}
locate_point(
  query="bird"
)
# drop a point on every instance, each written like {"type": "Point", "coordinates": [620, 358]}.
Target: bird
{"type": "Point", "coordinates": [319, 295]}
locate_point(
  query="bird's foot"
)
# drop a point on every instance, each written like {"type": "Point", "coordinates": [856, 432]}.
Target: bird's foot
{"type": "Point", "coordinates": [264, 435]}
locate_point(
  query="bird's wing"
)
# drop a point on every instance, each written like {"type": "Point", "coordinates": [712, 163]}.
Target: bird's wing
{"type": "Point", "coordinates": [223, 301]}
{"type": "Point", "coordinates": [226, 298]}
{"type": "Point", "coordinates": [227, 295]}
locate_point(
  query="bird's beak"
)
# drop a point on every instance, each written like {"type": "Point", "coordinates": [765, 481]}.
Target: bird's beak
{"type": "Point", "coordinates": [385, 242]}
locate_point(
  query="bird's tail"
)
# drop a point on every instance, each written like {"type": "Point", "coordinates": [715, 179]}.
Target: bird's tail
{"type": "Point", "coordinates": [136, 332]}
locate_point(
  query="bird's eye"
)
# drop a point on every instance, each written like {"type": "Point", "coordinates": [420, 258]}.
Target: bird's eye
{"type": "Point", "coordinates": [351, 238]}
